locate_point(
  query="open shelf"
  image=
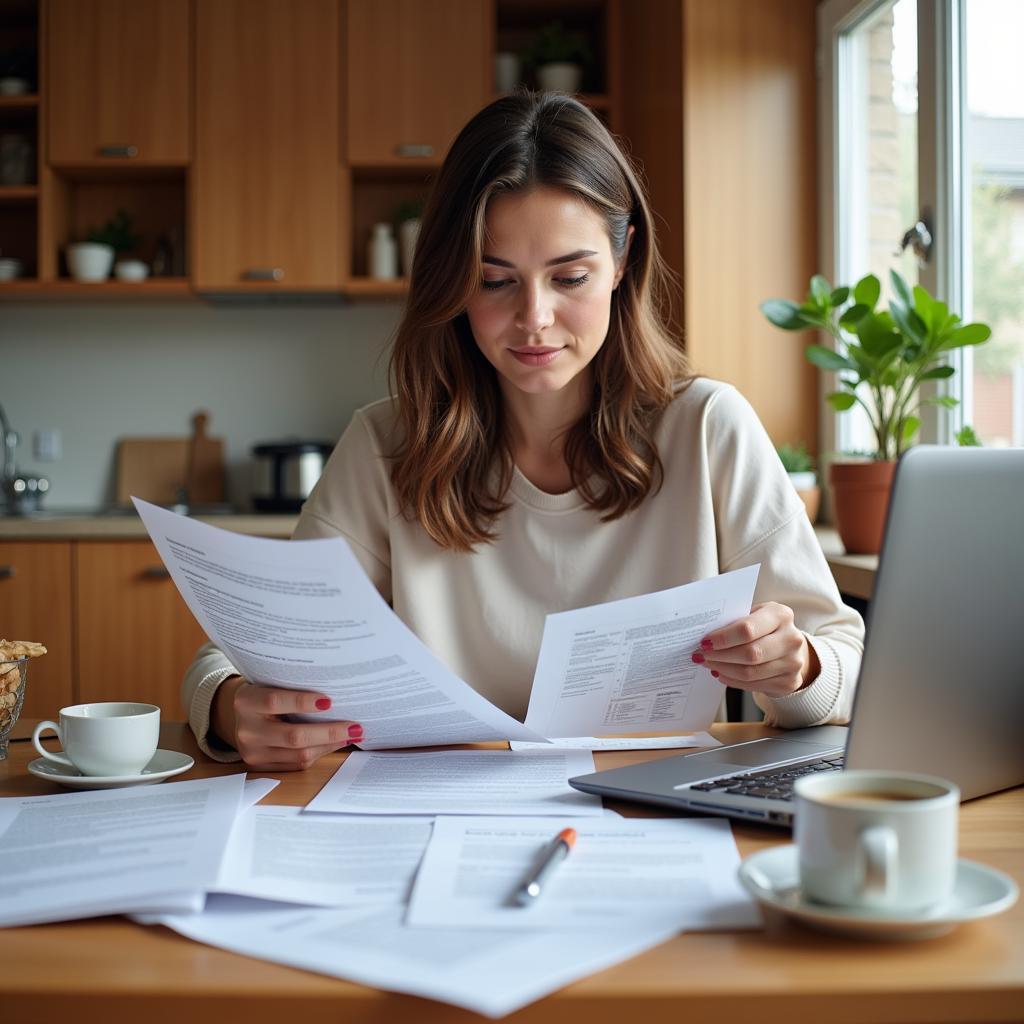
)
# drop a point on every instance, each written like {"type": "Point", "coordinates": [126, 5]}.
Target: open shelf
{"type": "Point", "coordinates": [156, 288]}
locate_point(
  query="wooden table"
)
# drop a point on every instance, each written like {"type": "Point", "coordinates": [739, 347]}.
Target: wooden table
{"type": "Point", "coordinates": [110, 970]}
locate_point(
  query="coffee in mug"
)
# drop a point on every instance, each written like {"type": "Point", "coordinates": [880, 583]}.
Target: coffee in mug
{"type": "Point", "coordinates": [110, 738]}
{"type": "Point", "coordinates": [877, 839]}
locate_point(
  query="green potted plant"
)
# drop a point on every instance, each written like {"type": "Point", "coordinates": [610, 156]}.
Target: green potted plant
{"type": "Point", "coordinates": [92, 259]}
{"type": "Point", "coordinates": [558, 57]}
{"type": "Point", "coordinates": [881, 359]}
{"type": "Point", "coordinates": [799, 464]}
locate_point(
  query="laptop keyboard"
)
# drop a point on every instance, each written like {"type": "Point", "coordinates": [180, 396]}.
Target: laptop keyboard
{"type": "Point", "coordinates": [769, 783]}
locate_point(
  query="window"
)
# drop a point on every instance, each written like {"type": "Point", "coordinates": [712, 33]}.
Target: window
{"type": "Point", "coordinates": [922, 121]}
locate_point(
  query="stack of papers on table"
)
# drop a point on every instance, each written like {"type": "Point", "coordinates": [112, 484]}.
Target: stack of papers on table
{"type": "Point", "coordinates": [415, 903]}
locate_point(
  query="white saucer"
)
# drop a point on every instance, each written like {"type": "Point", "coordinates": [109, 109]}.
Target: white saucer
{"type": "Point", "coordinates": [772, 876]}
{"type": "Point", "coordinates": [165, 763]}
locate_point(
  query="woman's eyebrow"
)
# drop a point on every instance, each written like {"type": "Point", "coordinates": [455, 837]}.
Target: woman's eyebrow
{"type": "Point", "coordinates": [579, 254]}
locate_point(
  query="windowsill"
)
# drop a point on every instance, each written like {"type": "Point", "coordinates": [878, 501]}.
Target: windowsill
{"type": "Point", "coordinates": [854, 574]}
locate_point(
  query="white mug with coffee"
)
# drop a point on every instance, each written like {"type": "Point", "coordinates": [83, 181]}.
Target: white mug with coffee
{"type": "Point", "coordinates": [877, 839]}
{"type": "Point", "coordinates": [110, 738]}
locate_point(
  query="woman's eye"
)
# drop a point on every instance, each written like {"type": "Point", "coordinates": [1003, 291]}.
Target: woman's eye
{"type": "Point", "coordinates": [574, 282]}
{"type": "Point", "coordinates": [493, 286]}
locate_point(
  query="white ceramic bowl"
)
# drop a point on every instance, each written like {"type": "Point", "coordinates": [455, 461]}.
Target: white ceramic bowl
{"type": "Point", "coordinates": [89, 261]}
{"type": "Point", "coordinates": [131, 270]}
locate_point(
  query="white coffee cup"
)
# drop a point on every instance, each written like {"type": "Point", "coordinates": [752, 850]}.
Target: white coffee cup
{"type": "Point", "coordinates": [877, 839]}
{"type": "Point", "coordinates": [112, 738]}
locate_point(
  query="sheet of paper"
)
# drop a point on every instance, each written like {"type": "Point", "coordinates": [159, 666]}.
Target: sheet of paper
{"type": "Point", "coordinates": [113, 851]}
{"type": "Point", "coordinates": [695, 739]}
{"type": "Point", "coordinates": [459, 782]}
{"type": "Point", "coordinates": [625, 666]}
{"type": "Point", "coordinates": [674, 871]}
{"type": "Point", "coordinates": [304, 615]}
{"type": "Point", "coordinates": [280, 853]}
{"type": "Point", "coordinates": [490, 972]}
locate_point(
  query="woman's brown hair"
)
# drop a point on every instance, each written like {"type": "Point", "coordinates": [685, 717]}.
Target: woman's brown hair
{"type": "Point", "coordinates": [454, 465]}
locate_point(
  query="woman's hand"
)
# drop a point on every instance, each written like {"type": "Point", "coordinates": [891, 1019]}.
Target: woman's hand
{"type": "Point", "coordinates": [249, 718]}
{"type": "Point", "coordinates": [763, 652]}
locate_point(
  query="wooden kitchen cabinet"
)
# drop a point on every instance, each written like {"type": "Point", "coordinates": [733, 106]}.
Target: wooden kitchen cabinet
{"type": "Point", "coordinates": [134, 635]}
{"type": "Point", "coordinates": [264, 201]}
{"type": "Point", "coordinates": [416, 72]}
{"type": "Point", "coordinates": [118, 82]}
{"type": "Point", "coordinates": [35, 604]}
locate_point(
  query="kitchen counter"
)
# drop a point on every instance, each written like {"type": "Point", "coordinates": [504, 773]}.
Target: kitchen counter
{"type": "Point", "coordinates": [56, 526]}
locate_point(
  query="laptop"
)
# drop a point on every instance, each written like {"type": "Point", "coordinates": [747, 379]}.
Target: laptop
{"type": "Point", "coordinates": [941, 685]}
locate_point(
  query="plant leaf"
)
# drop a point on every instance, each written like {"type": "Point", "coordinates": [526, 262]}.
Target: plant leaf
{"type": "Point", "coordinates": [909, 323]}
{"type": "Point", "coordinates": [867, 291]}
{"type": "Point", "coordinates": [839, 296]}
{"type": "Point", "coordinates": [900, 287]}
{"type": "Point", "coordinates": [821, 290]}
{"type": "Point", "coordinates": [946, 401]}
{"type": "Point", "coordinates": [850, 318]}
{"type": "Point", "coordinates": [783, 313]}
{"type": "Point", "coordinates": [911, 425]}
{"type": "Point", "coordinates": [923, 303]}
{"type": "Point", "coordinates": [841, 400]}
{"type": "Point", "coordinates": [938, 373]}
{"type": "Point", "coordinates": [969, 334]}
{"type": "Point", "coordinates": [828, 359]}
{"type": "Point", "coordinates": [877, 334]}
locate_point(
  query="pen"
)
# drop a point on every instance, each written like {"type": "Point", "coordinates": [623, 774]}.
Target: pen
{"type": "Point", "coordinates": [546, 864]}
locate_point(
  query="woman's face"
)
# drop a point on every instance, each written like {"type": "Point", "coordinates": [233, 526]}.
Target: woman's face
{"type": "Point", "coordinates": [542, 310]}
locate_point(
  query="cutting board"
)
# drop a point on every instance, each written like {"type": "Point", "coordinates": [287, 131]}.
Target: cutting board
{"type": "Point", "coordinates": [163, 470]}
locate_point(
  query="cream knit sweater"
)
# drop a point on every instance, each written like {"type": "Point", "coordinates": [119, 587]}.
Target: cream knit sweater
{"type": "Point", "coordinates": [725, 503]}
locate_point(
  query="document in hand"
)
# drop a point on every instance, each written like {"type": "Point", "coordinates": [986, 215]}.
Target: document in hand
{"type": "Point", "coordinates": [626, 666]}
{"type": "Point", "coordinates": [303, 615]}
{"type": "Point", "coordinates": [113, 851]}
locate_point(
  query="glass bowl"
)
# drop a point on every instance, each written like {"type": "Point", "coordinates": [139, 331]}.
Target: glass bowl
{"type": "Point", "coordinates": [12, 695]}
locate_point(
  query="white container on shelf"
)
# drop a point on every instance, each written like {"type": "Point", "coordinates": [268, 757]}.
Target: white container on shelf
{"type": "Point", "coordinates": [506, 71]}
{"type": "Point", "coordinates": [560, 77]}
{"type": "Point", "coordinates": [10, 268]}
{"type": "Point", "coordinates": [131, 270]}
{"type": "Point", "coordinates": [382, 255]}
{"type": "Point", "coordinates": [90, 261]}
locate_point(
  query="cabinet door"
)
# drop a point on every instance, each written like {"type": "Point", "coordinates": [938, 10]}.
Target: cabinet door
{"type": "Point", "coordinates": [266, 173]}
{"type": "Point", "coordinates": [134, 634]}
{"type": "Point", "coordinates": [35, 604]}
{"type": "Point", "coordinates": [118, 82]}
{"type": "Point", "coordinates": [416, 73]}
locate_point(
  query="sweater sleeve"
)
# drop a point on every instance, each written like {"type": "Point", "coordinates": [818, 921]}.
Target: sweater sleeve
{"type": "Point", "coordinates": [760, 519]}
{"type": "Point", "coordinates": [352, 501]}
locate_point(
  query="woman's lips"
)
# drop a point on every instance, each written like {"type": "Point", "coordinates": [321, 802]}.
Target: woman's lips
{"type": "Point", "coordinates": [536, 356]}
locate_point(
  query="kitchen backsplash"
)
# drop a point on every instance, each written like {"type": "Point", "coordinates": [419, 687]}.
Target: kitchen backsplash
{"type": "Point", "coordinates": [97, 373]}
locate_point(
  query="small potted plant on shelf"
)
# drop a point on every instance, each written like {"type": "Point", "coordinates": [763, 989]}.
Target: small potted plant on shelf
{"type": "Point", "coordinates": [881, 359]}
{"type": "Point", "coordinates": [558, 58]}
{"type": "Point", "coordinates": [800, 467]}
{"type": "Point", "coordinates": [92, 259]}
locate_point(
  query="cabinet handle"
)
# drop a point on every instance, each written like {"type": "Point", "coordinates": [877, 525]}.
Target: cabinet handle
{"type": "Point", "coordinates": [119, 151]}
{"type": "Point", "coordinates": [263, 274]}
{"type": "Point", "coordinates": [414, 149]}
{"type": "Point", "coordinates": [156, 572]}
{"type": "Point", "coordinates": [6, 572]}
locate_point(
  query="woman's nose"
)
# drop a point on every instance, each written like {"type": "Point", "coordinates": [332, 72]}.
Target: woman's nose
{"type": "Point", "coordinates": [535, 310]}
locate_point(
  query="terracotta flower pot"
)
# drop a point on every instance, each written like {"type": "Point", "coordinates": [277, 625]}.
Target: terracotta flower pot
{"type": "Point", "coordinates": [860, 496]}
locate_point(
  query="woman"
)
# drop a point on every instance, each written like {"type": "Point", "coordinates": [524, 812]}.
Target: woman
{"type": "Point", "coordinates": [547, 448]}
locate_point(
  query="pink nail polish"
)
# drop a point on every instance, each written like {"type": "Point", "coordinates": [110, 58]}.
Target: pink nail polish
{"type": "Point", "coordinates": [706, 644]}
{"type": "Point", "coordinates": [355, 732]}
{"type": "Point", "coordinates": [698, 657]}
{"type": "Point", "coordinates": [323, 704]}
{"type": "Point", "coordinates": [714, 673]}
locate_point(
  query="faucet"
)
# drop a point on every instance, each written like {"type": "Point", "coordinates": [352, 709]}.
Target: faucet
{"type": "Point", "coordinates": [18, 494]}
